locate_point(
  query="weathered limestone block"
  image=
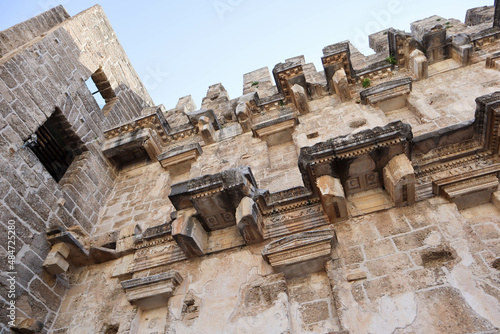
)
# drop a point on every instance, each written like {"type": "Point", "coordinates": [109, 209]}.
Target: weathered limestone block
{"type": "Point", "coordinates": [389, 95]}
{"type": "Point", "coordinates": [152, 291]}
{"type": "Point", "coordinates": [128, 146]}
{"type": "Point", "coordinates": [206, 130]}
{"type": "Point", "coordinates": [419, 66]}
{"type": "Point", "coordinates": [333, 198]}
{"type": "Point", "coordinates": [276, 131]}
{"type": "Point", "coordinates": [300, 99]}
{"type": "Point", "coordinates": [399, 180]}
{"type": "Point", "coordinates": [470, 188]}
{"type": "Point", "coordinates": [68, 246]}
{"type": "Point", "coordinates": [27, 326]}
{"type": "Point", "coordinates": [341, 85]}
{"type": "Point", "coordinates": [493, 61]}
{"type": "Point", "coordinates": [249, 221]}
{"type": "Point", "coordinates": [178, 160]}
{"type": "Point", "coordinates": [461, 49]}
{"type": "Point", "coordinates": [244, 116]}
{"type": "Point", "coordinates": [301, 253]}
{"type": "Point", "coordinates": [56, 263]}
{"type": "Point", "coordinates": [190, 235]}
{"type": "Point", "coordinates": [126, 239]}
{"type": "Point", "coordinates": [478, 15]}
{"type": "Point", "coordinates": [495, 199]}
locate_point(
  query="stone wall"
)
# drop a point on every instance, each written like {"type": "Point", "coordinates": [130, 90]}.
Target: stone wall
{"type": "Point", "coordinates": [214, 221]}
{"type": "Point", "coordinates": [42, 75]}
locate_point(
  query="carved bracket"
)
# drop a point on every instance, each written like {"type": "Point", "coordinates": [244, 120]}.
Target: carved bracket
{"type": "Point", "coordinates": [152, 291]}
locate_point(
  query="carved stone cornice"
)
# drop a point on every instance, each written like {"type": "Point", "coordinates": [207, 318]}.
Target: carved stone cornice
{"type": "Point", "coordinates": [359, 143]}
{"type": "Point", "coordinates": [152, 291]}
{"type": "Point", "coordinates": [302, 250]}
{"type": "Point", "coordinates": [181, 154]}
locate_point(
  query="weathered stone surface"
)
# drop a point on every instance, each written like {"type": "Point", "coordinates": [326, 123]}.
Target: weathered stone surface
{"type": "Point", "coordinates": [250, 183]}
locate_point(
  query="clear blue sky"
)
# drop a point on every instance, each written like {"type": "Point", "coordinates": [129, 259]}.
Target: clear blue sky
{"type": "Point", "coordinates": [181, 47]}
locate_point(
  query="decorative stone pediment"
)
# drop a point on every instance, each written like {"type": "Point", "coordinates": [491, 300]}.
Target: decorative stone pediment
{"type": "Point", "coordinates": [300, 253]}
{"type": "Point", "coordinates": [152, 291]}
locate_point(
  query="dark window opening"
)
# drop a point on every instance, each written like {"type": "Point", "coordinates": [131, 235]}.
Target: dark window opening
{"type": "Point", "coordinates": [405, 193]}
{"type": "Point", "coordinates": [56, 145]}
{"type": "Point", "coordinates": [101, 90]}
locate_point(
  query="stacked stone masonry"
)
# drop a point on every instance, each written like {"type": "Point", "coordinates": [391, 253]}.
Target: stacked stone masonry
{"type": "Point", "coordinates": [310, 204]}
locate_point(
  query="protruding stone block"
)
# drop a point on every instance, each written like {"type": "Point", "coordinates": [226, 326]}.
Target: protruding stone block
{"type": "Point", "coordinates": [55, 262]}
{"type": "Point", "coordinates": [189, 235]}
{"type": "Point", "coordinates": [249, 221]}
{"type": "Point", "coordinates": [495, 199]}
{"type": "Point", "coordinates": [299, 97]}
{"type": "Point", "coordinates": [178, 160]}
{"type": "Point", "coordinates": [399, 180]}
{"type": "Point", "coordinates": [244, 117]}
{"type": "Point", "coordinates": [332, 198]}
{"type": "Point", "coordinates": [276, 131]}
{"type": "Point", "coordinates": [207, 131]}
{"type": "Point", "coordinates": [27, 326]}
{"type": "Point", "coordinates": [419, 67]}
{"type": "Point", "coordinates": [461, 49]}
{"type": "Point", "coordinates": [152, 291]}
{"type": "Point", "coordinates": [389, 95]}
{"type": "Point", "coordinates": [341, 85]}
{"type": "Point", "coordinates": [301, 253]}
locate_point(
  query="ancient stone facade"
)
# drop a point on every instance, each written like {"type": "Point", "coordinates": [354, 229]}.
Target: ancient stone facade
{"type": "Point", "coordinates": [361, 198]}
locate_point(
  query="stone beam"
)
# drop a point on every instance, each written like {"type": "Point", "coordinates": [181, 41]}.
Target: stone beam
{"type": "Point", "coordinates": [190, 235]}
{"type": "Point", "coordinates": [249, 221]}
{"type": "Point", "coordinates": [333, 198]}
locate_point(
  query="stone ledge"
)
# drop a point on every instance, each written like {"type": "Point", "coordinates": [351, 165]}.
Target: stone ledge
{"type": "Point", "coordinates": [152, 291]}
{"type": "Point", "coordinates": [181, 154]}
{"type": "Point", "coordinates": [300, 253]}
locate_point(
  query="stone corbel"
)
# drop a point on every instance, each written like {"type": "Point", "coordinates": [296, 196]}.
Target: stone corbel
{"type": "Point", "coordinates": [399, 180]}
{"type": "Point", "coordinates": [276, 131]}
{"type": "Point", "coordinates": [249, 221]}
{"type": "Point", "coordinates": [120, 147]}
{"type": "Point", "coordinates": [207, 124]}
{"type": "Point", "coordinates": [341, 85]}
{"type": "Point", "coordinates": [302, 253]}
{"type": "Point", "coordinates": [390, 95]}
{"type": "Point", "coordinates": [419, 66]}
{"type": "Point", "coordinates": [67, 248]}
{"type": "Point", "coordinates": [152, 291]}
{"type": "Point", "coordinates": [299, 97]}
{"type": "Point", "coordinates": [333, 198]}
{"type": "Point", "coordinates": [244, 116]}
{"type": "Point", "coordinates": [179, 159]}
{"type": "Point", "coordinates": [189, 234]}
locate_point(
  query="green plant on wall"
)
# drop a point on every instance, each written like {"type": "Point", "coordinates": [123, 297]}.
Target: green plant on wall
{"type": "Point", "coordinates": [255, 83]}
{"type": "Point", "coordinates": [366, 83]}
{"type": "Point", "coordinates": [391, 60]}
